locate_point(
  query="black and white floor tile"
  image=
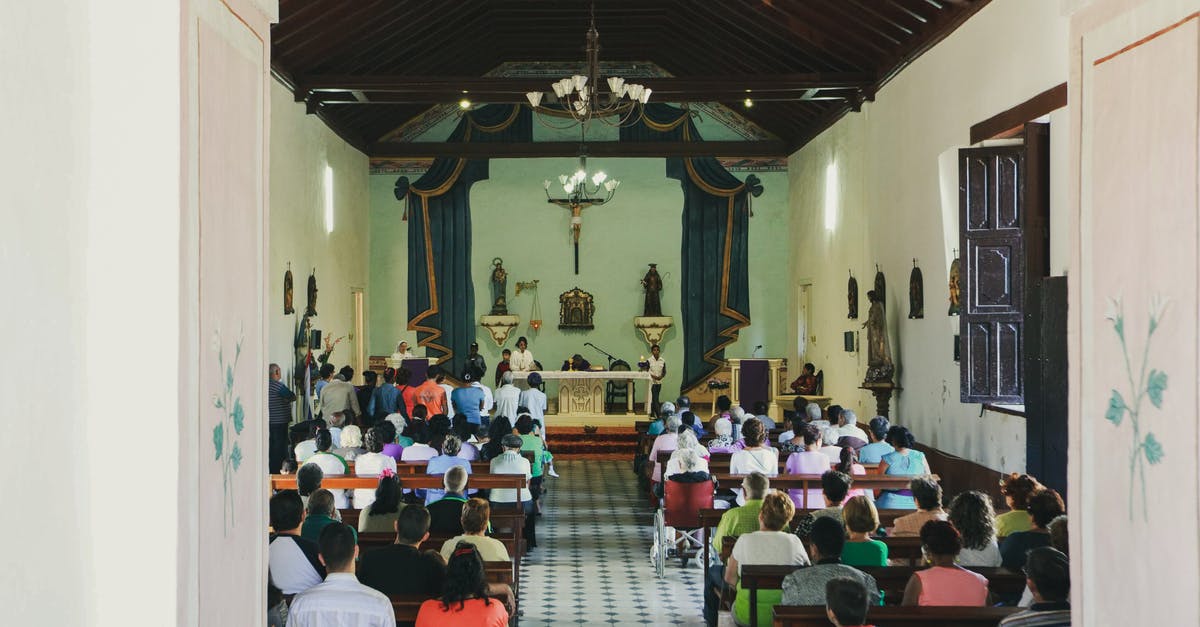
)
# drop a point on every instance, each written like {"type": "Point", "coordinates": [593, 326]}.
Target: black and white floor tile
{"type": "Point", "coordinates": [592, 564]}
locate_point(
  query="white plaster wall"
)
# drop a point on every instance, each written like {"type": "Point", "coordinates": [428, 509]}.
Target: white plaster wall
{"type": "Point", "coordinates": [301, 145]}
{"type": "Point", "coordinates": [897, 186]}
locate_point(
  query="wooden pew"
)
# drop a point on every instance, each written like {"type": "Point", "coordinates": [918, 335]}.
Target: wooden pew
{"type": "Point", "coordinates": [406, 606]}
{"type": "Point", "coordinates": [814, 616]}
{"type": "Point", "coordinates": [813, 482]}
{"type": "Point", "coordinates": [482, 481]}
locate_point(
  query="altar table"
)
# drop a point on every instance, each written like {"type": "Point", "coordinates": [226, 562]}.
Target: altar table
{"type": "Point", "coordinates": [581, 392]}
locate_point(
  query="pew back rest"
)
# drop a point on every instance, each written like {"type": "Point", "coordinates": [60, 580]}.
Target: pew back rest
{"type": "Point", "coordinates": [814, 616]}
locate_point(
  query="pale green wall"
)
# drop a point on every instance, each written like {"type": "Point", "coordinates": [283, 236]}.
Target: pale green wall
{"type": "Point", "coordinates": [301, 145]}
{"type": "Point", "coordinates": [512, 220]}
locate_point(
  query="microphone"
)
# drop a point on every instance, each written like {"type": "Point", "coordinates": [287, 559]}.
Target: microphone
{"type": "Point", "coordinates": [756, 349]}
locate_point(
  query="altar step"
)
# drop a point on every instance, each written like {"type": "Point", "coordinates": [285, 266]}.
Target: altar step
{"type": "Point", "coordinates": [605, 443]}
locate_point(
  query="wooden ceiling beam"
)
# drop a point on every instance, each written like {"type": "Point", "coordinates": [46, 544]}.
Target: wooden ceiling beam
{"type": "Point", "coordinates": [661, 85]}
{"type": "Point", "coordinates": [572, 149]}
{"type": "Point", "coordinates": [843, 57]}
{"type": "Point", "coordinates": [944, 23]}
{"type": "Point", "coordinates": [750, 36]}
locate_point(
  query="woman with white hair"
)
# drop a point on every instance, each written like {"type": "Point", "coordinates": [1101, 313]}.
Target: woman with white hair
{"type": "Point", "coordinates": [352, 443]}
{"type": "Point", "coordinates": [690, 467]}
{"type": "Point", "coordinates": [687, 442]}
{"type": "Point", "coordinates": [668, 441]}
{"type": "Point", "coordinates": [722, 442]}
{"type": "Point", "coordinates": [829, 438]}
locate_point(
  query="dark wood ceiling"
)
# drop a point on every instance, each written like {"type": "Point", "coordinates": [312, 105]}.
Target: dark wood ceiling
{"type": "Point", "coordinates": [368, 67]}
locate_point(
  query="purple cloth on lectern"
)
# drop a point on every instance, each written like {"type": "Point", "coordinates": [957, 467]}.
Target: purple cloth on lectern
{"type": "Point", "coordinates": [755, 383]}
{"type": "Point", "coordinates": [417, 368]}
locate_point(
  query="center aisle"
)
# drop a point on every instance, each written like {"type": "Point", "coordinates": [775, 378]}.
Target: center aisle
{"type": "Point", "coordinates": [592, 565]}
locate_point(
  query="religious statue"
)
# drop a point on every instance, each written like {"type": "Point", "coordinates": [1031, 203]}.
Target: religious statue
{"type": "Point", "coordinates": [499, 288]}
{"type": "Point", "coordinates": [852, 298]}
{"type": "Point", "coordinates": [311, 308]}
{"type": "Point", "coordinates": [880, 285]}
{"type": "Point", "coordinates": [879, 356]}
{"type": "Point", "coordinates": [287, 292]}
{"type": "Point", "coordinates": [653, 285]}
{"type": "Point", "coordinates": [916, 293]}
{"type": "Point", "coordinates": [954, 289]}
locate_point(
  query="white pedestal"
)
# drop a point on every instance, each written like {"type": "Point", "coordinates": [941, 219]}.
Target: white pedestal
{"type": "Point", "coordinates": [653, 328]}
{"type": "Point", "coordinates": [499, 327]}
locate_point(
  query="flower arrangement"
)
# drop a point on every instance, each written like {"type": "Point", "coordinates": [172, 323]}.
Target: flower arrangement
{"type": "Point", "coordinates": [718, 384]}
{"type": "Point", "coordinates": [328, 350]}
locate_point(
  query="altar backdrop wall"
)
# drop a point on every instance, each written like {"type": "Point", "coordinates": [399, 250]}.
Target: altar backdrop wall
{"type": "Point", "coordinates": [512, 220]}
{"type": "Point", "coordinates": [301, 146]}
{"type": "Point", "coordinates": [896, 182]}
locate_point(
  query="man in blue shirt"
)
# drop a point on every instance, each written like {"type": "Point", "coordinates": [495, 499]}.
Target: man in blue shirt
{"type": "Point", "coordinates": [279, 407]}
{"type": "Point", "coordinates": [469, 400]}
{"type": "Point", "coordinates": [385, 398]}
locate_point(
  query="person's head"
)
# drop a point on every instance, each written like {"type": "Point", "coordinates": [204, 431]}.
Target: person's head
{"type": "Point", "coordinates": [287, 511]}
{"type": "Point", "coordinates": [506, 378]}
{"type": "Point", "coordinates": [1045, 506]}
{"type": "Point", "coordinates": [511, 442]}
{"type": "Point", "coordinates": [522, 343]}
{"type": "Point", "coordinates": [753, 432]}
{"type": "Point", "coordinates": [534, 379]}
{"type": "Point", "coordinates": [798, 422]}
{"type": "Point", "coordinates": [941, 539]}
{"type": "Point", "coordinates": [370, 378]}
{"type": "Point", "coordinates": [671, 425]}
{"type": "Point", "coordinates": [736, 413]}
{"type": "Point", "coordinates": [499, 428]}
{"type": "Point", "coordinates": [835, 485]}
{"type": "Point", "coordinates": [846, 601]}
{"type": "Point", "coordinates": [324, 440]}
{"type": "Point", "coordinates": [451, 445]}
{"type": "Point", "coordinates": [320, 503]}
{"type": "Point", "coordinates": [289, 467]}
{"type": "Point", "coordinates": [683, 402]}
{"type": "Point", "coordinates": [308, 479]}
{"type": "Point", "coordinates": [412, 525]}
{"type": "Point", "coordinates": [723, 403]}
{"type": "Point", "coordinates": [755, 485]}
{"type": "Point", "coordinates": [386, 432]}
{"type": "Point", "coordinates": [971, 513]}
{"type": "Point", "coordinates": [776, 513]}
{"type": "Point", "coordinates": [274, 372]}
{"type": "Point", "coordinates": [827, 538]}
{"type": "Point", "coordinates": [667, 409]}
{"type": "Point", "coordinates": [1058, 534]}
{"type": "Point", "coordinates": [687, 439]}
{"type": "Point", "coordinates": [524, 424]}
{"type": "Point", "coordinates": [455, 479]}
{"type": "Point", "coordinates": [723, 427]}
{"type": "Point", "coordinates": [834, 413]}
{"type": "Point", "coordinates": [812, 411]}
{"type": "Point", "coordinates": [351, 437]}
{"type": "Point", "coordinates": [465, 578]}
{"type": "Point", "coordinates": [655, 350]}
{"type": "Point", "coordinates": [689, 460]}
{"type": "Point", "coordinates": [475, 515]}
{"type": "Point", "coordinates": [373, 441]}
{"type": "Point", "coordinates": [848, 417]}
{"type": "Point", "coordinates": [830, 435]}
{"type": "Point", "coordinates": [387, 496]}
{"type": "Point", "coordinates": [1017, 488]}
{"type": "Point", "coordinates": [433, 372]}
{"type": "Point", "coordinates": [474, 349]}
{"type": "Point", "coordinates": [900, 438]}
{"type": "Point", "coordinates": [847, 459]}
{"type": "Point", "coordinates": [800, 405]}
{"type": "Point", "coordinates": [346, 373]}
{"type": "Point", "coordinates": [420, 412]}
{"type": "Point", "coordinates": [688, 418]}
{"type": "Point", "coordinates": [389, 375]}
{"type": "Point", "coordinates": [326, 371]}
{"type": "Point", "coordinates": [760, 408]}
{"type": "Point", "coordinates": [860, 515]}
{"type": "Point", "coordinates": [403, 375]}
{"type": "Point", "coordinates": [877, 429]}
{"type": "Point", "coordinates": [402, 347]}
{"type": "Point", "coordinates": [810, 369]}
{"type": "Point", "coordinates": [926, 492]}
{"type": "Point", "coordinates": [506, 354]}
{"type": "Point", "coordinates": [339, 548]}
{"type": "Point", "coordinates": [1048, 575]}
{"type": "Point", "coordinates": [418, 431]}
{"type": "Point", "coordinates": [811, 435]}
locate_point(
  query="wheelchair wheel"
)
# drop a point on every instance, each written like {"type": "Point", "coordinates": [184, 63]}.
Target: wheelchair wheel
{"type": "Point", "coordinates": [659, 550]}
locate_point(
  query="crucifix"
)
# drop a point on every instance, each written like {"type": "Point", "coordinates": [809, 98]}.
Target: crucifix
{"type": "Point", "coordinates": [582, 191]}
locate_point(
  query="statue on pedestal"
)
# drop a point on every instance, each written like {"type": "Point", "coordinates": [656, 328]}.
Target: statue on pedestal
{"type": "Point", "coordinates": [653, 285]}
{"type": "Point", "coordinates": [879, 355]}
{"type": "Point", "coordinates": [499, 288]}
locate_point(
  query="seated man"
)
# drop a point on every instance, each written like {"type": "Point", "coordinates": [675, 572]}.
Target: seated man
{"type": "Point", "coordinates": [341, 599]}
{"type": "Point", "coordinates": [1048, 575]}
{"type": "Point", "coordinates": [760, 412]}
{"type": "Point", "coordinates": [806, 586]}
{"type": "Point", "coordinates": [401, 568]}
{"type": "Point", "coordinates": [308, 480]}
{"type": "Point", "coordinates": [320, 514]}
{"type": "Point", "coordinates": [735, 522]}
{"type": "Point", "coordinates": [445, 514]}
{"type": "Point", "coordinates": [846, 602]}
{"type": "Point", "coordinates": [806, 383]}
{"type": "Point", "coordinates": [475, 516]}
{"type": "Point", "coordinates": [928, 495]}
{"type": "Point", "coordinates": [848, 428]}
{"type": "Point", "coordinates": [293, 562]}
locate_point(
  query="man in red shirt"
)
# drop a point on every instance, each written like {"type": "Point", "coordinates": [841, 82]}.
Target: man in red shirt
{"type": "Point", "coordinates": [430, 394]}
{"type": "Point", "coordinates": [846, 602]}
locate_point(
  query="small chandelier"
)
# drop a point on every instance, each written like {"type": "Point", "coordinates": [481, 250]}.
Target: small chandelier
{"type": "Point", "coordinates": [581, 191]}
{"type": "Point", "coordinates": [580, 96]}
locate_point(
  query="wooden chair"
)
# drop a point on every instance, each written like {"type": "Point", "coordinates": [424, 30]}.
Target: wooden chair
{"type": "Point", "coordinates": [814, 616]}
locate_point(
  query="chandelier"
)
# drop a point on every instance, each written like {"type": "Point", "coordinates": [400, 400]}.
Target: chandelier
{"type": "Point", "coordinates": [580, 98]}
{"type": "Point", "coordinates": [581, 191]}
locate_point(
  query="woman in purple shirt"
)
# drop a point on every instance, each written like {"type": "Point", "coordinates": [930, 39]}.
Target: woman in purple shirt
{"type": "Point", "coordinates": [810, 461]}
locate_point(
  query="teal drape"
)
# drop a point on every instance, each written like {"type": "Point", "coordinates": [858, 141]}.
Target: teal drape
{"type": "Point", "coordinates": [441, 295]}
{"type": "Point", "coordinates": [715, 293]}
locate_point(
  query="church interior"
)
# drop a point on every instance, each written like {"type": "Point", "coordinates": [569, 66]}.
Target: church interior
{"type": "Point", "coordinates": [618, 261]}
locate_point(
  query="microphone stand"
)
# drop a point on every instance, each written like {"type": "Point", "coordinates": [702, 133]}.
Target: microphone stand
{"type": "Point", "coordinates": [598, 349]}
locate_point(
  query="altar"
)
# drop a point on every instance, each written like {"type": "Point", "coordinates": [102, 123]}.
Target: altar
{"type": "Point", "coordinates": [581, 395]}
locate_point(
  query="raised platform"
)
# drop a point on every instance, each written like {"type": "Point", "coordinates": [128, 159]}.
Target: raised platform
{"type": "Point", "coordinates": [598, 420]}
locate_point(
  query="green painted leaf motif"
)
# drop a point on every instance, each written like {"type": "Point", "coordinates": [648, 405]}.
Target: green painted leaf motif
{"type": "Point", "coordinates": [1154, 450]}
{"type": "Point", "coordinates": [1116, 409]}
{"type": "Point", "coordinates": [235, 457]}
{"type": "Point", "coordinates": [219, 439]}
{"type": "Point", "coordinates": [1155, 385]}
{"type": "Point", "coordinates": [239, 415]}
{"type": "Point", "coordinates": [229, 377]}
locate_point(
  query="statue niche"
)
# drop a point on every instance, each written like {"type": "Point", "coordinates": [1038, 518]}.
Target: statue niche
{"type": "Point", "coordinates": [575, 310]}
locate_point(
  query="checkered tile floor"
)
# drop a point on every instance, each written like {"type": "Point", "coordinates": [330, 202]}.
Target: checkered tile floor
{"type": "Point", "coordinates": [592, 565]}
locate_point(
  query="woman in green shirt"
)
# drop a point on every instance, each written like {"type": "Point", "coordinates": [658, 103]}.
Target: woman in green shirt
{"type": "Point", "coordinates": [862, 520]}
